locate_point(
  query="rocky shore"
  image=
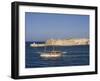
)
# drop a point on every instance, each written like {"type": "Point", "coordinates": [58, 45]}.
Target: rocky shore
{"type": "Point", "coordinates": [62, 42]}
{"type": "Point", "coordinates": [67, 42]}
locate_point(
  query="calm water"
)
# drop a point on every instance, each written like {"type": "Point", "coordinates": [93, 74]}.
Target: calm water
{"type": "Point", "coordinates": [74, 56]}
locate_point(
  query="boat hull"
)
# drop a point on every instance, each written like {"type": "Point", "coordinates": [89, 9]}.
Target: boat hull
{"type": "Point", "coordinates": [51, 55]}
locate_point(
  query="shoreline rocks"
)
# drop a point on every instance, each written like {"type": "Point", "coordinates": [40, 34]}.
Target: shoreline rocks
{"type": "Point", "coordinates": [67, 42]}
{"type": "Point", "coordinates": [62, 42]}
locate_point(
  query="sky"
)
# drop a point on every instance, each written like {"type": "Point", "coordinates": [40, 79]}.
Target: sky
{"type": "Point", "coordinates": [44, 26]}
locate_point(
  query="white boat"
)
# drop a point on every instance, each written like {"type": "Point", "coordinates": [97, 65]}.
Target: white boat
{"type": "Point", "coordinates": [51, 54]}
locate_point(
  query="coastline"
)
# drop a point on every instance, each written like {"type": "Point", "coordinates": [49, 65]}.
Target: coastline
{"type": "Point", "coordinates": [63, 42]}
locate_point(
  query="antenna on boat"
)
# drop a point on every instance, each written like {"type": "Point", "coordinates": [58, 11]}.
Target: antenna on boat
{"type": "Point", "coordinates": [45, 47]}
{"type": "Point", "coordinates": [53, 46]}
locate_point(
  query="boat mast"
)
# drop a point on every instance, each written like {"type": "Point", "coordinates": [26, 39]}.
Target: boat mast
{"type": "Point", "coordinates": [45, 48]}
{"type": "Point", "coordinates": [53, 46]}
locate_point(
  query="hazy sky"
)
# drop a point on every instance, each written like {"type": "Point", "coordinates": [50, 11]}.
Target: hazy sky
{"type": "Point", "coordinates": [43, 26]}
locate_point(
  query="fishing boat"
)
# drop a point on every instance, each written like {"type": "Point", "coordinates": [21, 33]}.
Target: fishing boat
{"type": "Point", "coordinates": [51, 54]}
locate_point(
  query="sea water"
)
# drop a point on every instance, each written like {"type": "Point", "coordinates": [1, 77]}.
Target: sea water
{"type": "Point", "coordinates": [73, 56]}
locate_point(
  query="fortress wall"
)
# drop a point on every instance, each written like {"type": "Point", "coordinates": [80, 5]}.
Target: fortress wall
{"type": "Point", "coordinates": [67, 42]}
